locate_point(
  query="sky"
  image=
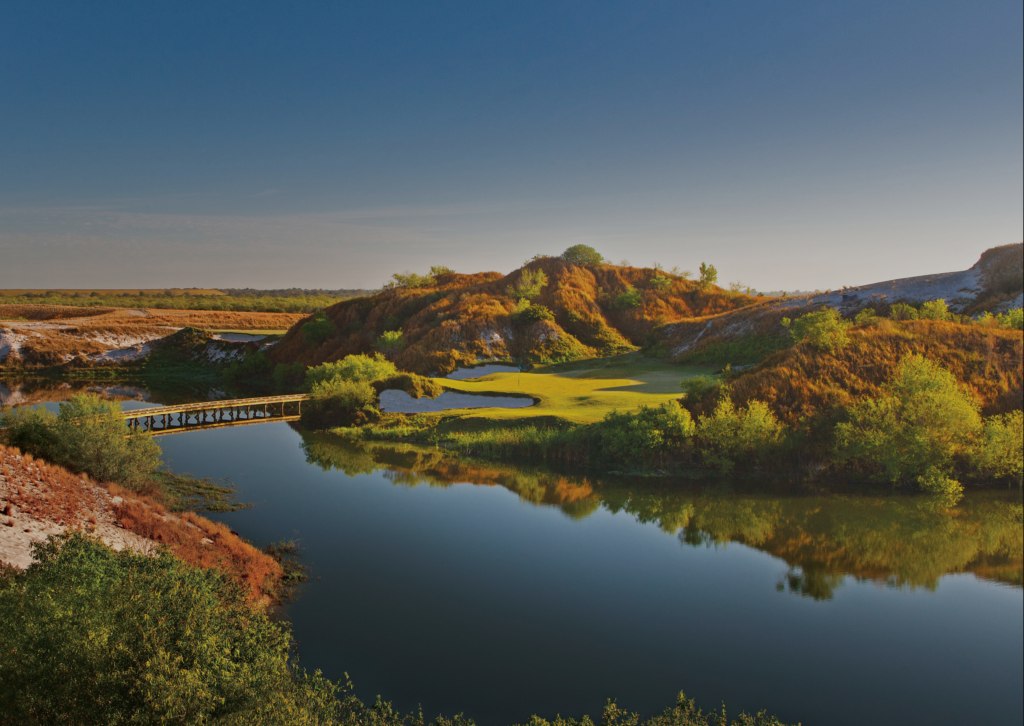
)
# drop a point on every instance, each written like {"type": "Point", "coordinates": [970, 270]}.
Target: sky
{"type": "Point", "coordinates": [794, 145]}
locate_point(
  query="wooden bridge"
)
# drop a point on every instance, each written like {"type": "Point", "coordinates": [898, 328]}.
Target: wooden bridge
{"type": "Point", "coordinates": [165, 420]}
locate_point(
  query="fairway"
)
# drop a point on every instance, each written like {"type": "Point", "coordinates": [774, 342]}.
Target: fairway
{"type": "Point", "coordinates": [579, 393]}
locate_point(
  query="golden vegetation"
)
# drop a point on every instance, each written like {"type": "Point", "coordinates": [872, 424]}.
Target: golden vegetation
{"type": "Point", "coordinates": [458, 319]}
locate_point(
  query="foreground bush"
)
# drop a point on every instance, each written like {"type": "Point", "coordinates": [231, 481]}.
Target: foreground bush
{"type": "Point", "coordinates": [915, 430]}
{"type": "Point", "coordinates": [87, 435]}
{"type": "Point", "coordinates": [93, 636]}
{"type": "Point", "coordinates": [1000, 452]}
{"type": "Point", "coordinates": [651, 436]}
{"type": "Point", "coordinates": [340, 402]}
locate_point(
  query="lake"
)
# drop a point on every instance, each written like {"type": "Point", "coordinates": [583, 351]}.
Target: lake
{"type": "Point", "coordinates": [502, 591]}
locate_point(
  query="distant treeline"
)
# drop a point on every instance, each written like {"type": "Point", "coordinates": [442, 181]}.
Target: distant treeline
{"type": "Point", "coordinates": [293, 300]}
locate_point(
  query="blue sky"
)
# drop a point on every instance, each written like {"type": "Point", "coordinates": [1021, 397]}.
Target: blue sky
{"type": "Point", "coordinates": [793, 145]}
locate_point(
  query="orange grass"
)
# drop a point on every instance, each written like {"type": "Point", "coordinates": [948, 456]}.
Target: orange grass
{"type": "Point", "coordinates": [469, 317]}
{"type": "Point", "coordinates": [802, 383]}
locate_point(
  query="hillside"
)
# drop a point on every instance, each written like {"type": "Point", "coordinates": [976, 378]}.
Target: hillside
{"type": "Point", "coordinates": [453, 319]}
{"type": "Point", "coordinates": [803, 385]}
{"type": "Point", "coordinates": [748, 335]}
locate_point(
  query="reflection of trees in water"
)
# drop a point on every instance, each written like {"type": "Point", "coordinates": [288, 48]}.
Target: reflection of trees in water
{"type": "Point", "coordinates": [899, 541]}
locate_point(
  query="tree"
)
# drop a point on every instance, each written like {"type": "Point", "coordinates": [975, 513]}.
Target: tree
{"type": "Point", "coordinates": [529, 285]}
{"type": "Point", "coordinates": [824, 330]}
{"type": "Point", "coordinates": [87, 435]}
{"type": "Point", "coordinates": [708, 275]}
{"type": "Point", "coordinates": [317, 330]}
{"type": "Point", "coordinates": [730, 433]}
{"type": "Point", "coordinates": [582, 255]}
{"type": "Point", "coordinates": [352, 368]}
{"type": "Point", "coordinates": [915, 430]}
{"type": "Point", "coordinates": [628, 298]}
{"type": "Point", "coordinates": [390, 342]}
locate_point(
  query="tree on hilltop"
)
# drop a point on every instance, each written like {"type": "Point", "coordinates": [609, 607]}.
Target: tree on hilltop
{"type": "Point", "coordinates": [582, 255]}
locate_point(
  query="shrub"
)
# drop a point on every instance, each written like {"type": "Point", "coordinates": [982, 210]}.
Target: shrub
{"type": "Point", "coordinates": [528, 314]}
{"type": "Point", "coordinates": [628, 299]}
{"type": "Point", "coordinates": [94, 636]}
{"type": "Point", "coordinates": [319, 329]}
{"type": "Point", "coordinates": [824, 330]}
{"type": "Point", "coordinates": [695, 388]}
{"type": "Point", "coordinates": [529, 285]}
{"type": "Point", "coordinates": [289, 375]}
{"type": "Point", "coordinates": [708, 276]}
{"type": "Point", "coordinates": [340, 402]}
{"type": "Point", "coordinates": [410, 280]}
{"type": "Point", "coordinates": [87, 435]}
{"type": "Point", "coordinates": [867, 316]}
{"type": "Point", "coordinates": [660, 283]}
{"type": "Point", "coordinates": [903, 311]}
{"type": "Point", "coordinates": [1000, 449]}
{"type": "Point", "coordinates": [582, 255]}
{"type": "Point", "coordinates": [914, 431]}
{"type": "Point", "coordinates": [643, 437]}
{"type": "Point", "coordinates": [730, 433]}
{"type": "Point", "coordinates": [1014, 319]}
{"type": "Point", "coordinates": [415, 385]}
{"type": "Point", "coordinates": [352, 368]}
{"type": "Point", "coordinates": [390, 342]}
{"type": "Point", "coordinates": [935, 310]}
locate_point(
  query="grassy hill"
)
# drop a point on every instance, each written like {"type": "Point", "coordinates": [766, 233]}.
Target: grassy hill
{"type": "Point", "coordinates": [450, 319]}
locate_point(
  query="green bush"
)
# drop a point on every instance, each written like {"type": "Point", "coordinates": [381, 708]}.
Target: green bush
{"type": "Point", "coordinates": [87, 435]}
{"type": "Point", "coordinates": [867, 316]}
{"type": "Point", "coordinates": [582, 255]}
{"type": "Point", "coordinates": [660, 283]}
{"type": "Point", "coordinates": [286, 376]}
{"type": "Point", "coordinates": [390, 342]}
{"type": "Point", "coordinates": [824, 330]}
{"type": "Point", "coordinates": [934, 310]}
{"type": "Point", "coordinates": [415, 385]}
{"type": "Point", "coordinates": [319, 329]}
{"type": "Point", "coordinates": [1000, 449]}
{"type": "Point", "coordinates": [641, 438]}
{"type": "Point", "coordinates": [352, 368]}
{"type": "Point", "coordinates": [628, 299]}
{"type": "Point", "coordinates": [730, 434]}
{"type": "Point", "coordinates": [915, 430]}
{"type": "Point", "coordinates": [708, 276]}
{"type": "Point", "coordinates": [93, 636]}
{"type": "Point", "coordinates": [529, 314]}
{"type": "Point", "coordinates": [410, 280]}
{"type": "Point", "coordinates": [529, 285]}
{"type": "Point", "coordinates": [340, 402]}
{"type": "Point", "coordinates": [695, 388]}
{"type": "Point", "coordinates": [903, 311]}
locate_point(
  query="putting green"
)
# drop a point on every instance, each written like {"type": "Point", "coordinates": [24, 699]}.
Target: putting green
{"type": "Point", "coordinates": [578, 393]}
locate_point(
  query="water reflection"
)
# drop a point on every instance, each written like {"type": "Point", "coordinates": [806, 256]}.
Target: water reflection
{"type": "Point", "coordinates": [895, 541]}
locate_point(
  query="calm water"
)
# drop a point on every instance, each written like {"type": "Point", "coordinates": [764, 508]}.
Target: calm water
{"type": "Point", "coordinates": [502, 592]}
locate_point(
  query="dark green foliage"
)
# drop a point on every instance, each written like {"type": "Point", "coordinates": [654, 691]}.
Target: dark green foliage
{"type": "Point", "coordinates": [319, 329]}
{"type": "Point", "coordinates": [340, 402]}
{"type": "Point", "coordinates": [660, 282]}
{"type": "Point", "coordinates": [87, 435]}
{"type": "Point", "coordinates": [745, 436]}
{"type": "Point", "coordinates": [253, 367]}
{"type": "Point", "coordinates": [184, 492]}
{"type": "Point", "coordinates": [628, 299]}
{"type": "Point", "coordinates": [652, 436]}
{"type": "Point", "coordinates": [351, 368]}
{"type": "Point", "coordinates": [708, 276]}
{"type": "Point", "coordinates": [390, 342]}
{"type": "Point", "coordinates": [529, 285]}
{"type": "Point", "coordinates": [289, 376]}
{"type": "Point", "coordinates": [582, 255]}
{"type": "Point", "coordinates": [823, 330]}
{"type": "Point", "coordinates": [93, 636]}
{"type": "Point", "coordinates": [415, 385]}
{"type": "Point", "coordinates": [903, 311]}
{"type": "Point", "coordinates": [738, 351]}
{"type": "Point", "coordinates": [915, 430]}
{"type": "Point", "coordinates": [530, 314]}
{"type": "Point", "coordinates": [694, 389]}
